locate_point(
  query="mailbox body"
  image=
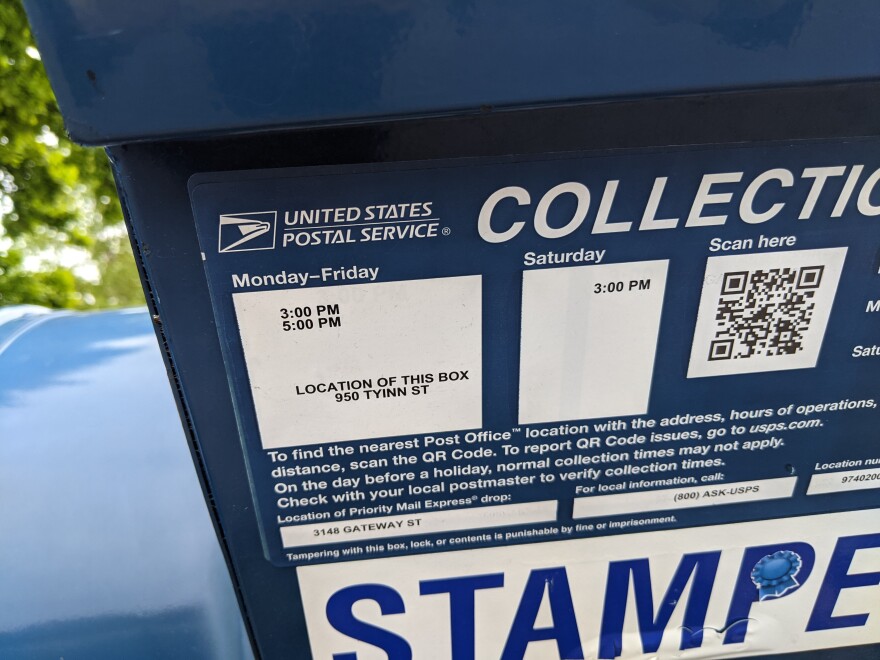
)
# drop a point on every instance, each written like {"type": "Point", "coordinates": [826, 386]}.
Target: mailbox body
{"type": "Point", "coordinates": [235, 94]}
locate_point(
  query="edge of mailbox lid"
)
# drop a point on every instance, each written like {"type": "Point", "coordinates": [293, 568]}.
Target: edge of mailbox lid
{"type": "Point", "coordinates": [126, 72]}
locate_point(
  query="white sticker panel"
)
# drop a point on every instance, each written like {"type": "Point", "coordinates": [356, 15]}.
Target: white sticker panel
{"type": "Point", "coordinates": [839, 482]}
{"type": "Point", "coordinates": [363, 360]}
{"type": "Point", "coordinates": [749, 589]}
{"type": "Point", "coordinates": [484, 517]}
{"type": "Point", "coordinates": [589, 336]}
{"type": "Point", "coordinates": [764, 311]}
{"type": "Point", "coordinates": [684, 498]}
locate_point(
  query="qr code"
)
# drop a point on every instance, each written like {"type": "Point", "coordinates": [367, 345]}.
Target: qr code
{"type": "Point", "coordinates": [765, 311]}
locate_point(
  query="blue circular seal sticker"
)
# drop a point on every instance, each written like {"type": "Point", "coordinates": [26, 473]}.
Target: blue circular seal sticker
{"type": "Point", "coordinates": [774, 575]}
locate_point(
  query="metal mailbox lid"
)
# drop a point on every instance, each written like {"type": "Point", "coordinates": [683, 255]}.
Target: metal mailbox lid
{"type": "Point", "coordinates": [108, 549]}
{"type": "Point", "coordinates": [125, 72]}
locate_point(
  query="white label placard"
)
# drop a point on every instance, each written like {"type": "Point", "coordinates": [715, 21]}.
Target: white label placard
{"type": "Point", "coordinates": [684, 498]}
{"type": "Point", "coordinates": [483, 517]}
{"type": "Point", "coordinates": [709, 592]}
{"type": "Point", "coordinates": [838, 482]}
{"type": "Point", "coordinates": [589, 336]}
{"type": "Point", "coordinates": [363, 360]}
{"type": "Point", "coordinates": [764, 311]}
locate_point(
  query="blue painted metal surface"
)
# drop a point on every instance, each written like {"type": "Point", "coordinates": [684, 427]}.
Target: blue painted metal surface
{"type": "Point", "coordinates": [124, 71]}
{"type": "Point", "coordinates": [153, 182]}
{"type": "Point", "coordinates": [107, 547]}
{"type": "Point", "coordinates": [141, 72]}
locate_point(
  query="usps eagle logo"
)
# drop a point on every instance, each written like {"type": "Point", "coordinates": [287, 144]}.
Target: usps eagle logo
{"type": "Point", "coordinates": [240, 232]}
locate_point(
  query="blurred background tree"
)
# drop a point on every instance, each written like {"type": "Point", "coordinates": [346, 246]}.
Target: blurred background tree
{"type": "Point", "coordinates": [62, 239]}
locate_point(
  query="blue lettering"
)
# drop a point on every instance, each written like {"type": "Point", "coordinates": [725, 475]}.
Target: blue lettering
{"type": "Point", "coordinates": [340, 616]}
{"type": "Point", "coordinates": [745, 592]}
{"type": "Point", "coordinates": [461, 607]}
{"type": "Point", "coordinates": [837, 579]}
{"type": "Point", "coordinates": [702, 566]}
{"type": "Point", "coordinates": [564, 629]}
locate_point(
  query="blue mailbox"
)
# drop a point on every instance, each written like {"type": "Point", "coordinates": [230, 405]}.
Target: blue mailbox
{"type": "Point", "coordinates": [512, 330]}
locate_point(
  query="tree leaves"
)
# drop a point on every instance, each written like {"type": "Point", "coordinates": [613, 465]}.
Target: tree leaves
{"type": "Point", "coordinates": [60, 219]}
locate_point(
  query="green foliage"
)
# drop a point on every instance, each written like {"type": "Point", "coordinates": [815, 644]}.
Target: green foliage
{"type": "Point", "coordinates": [61, 238]}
